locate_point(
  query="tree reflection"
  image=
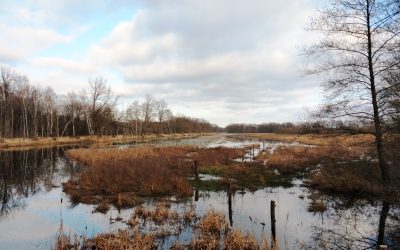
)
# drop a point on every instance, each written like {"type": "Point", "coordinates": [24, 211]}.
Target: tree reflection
{"type": "Point", "coordinates": [349, 230]}
{"type": "Point", "coordinates": [27, 172]}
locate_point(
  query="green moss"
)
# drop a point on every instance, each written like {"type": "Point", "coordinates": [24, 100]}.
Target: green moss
{"type": "Point", "coordinates": [209, 185]}
{"type": "Point", "coordinates": [217, 170]}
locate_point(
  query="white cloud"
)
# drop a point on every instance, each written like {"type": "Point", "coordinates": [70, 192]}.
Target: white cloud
{"type": "Point", "coordinates": [224, 60]}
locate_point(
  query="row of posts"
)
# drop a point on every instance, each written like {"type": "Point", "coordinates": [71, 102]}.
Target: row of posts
{"type": "Point", "coordinates": [272, 205]}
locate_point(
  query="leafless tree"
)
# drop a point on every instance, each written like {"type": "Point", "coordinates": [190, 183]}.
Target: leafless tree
{"type": "Point", "coordinates": [101, 100]}
{"type": "Point", "coordinates": [133, 113]}
{"type": "Point", "coordinates": [162, 110]}
{"type": "Point", "coordinates": [30, 111]}
{"type": "Point", "coordinates": [355, 51]}
{"type": "Point", "coordinates": [147, 112]}
{"type": "Point", "coordinates": [7, 76]}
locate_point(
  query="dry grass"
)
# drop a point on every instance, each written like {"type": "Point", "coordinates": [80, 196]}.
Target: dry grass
{"type": "Point", "coordinates": [122, 176]}
{"type": "Point", "coordinates": [317, 139]}
{"type": "Point", "coordinates": [161, 214]}
{"type": "Point", "coordinates": [317, 205]}
{"type": "Point", "coordinates": [25, 143]}
{"type": "Point", "coordinates": [123, 240]}
{"type": "Point", "coordinates": [292, 159]}
{"type": "Point", "coordinates": [357, 177]}
{"type": "Point", "coordinates": [213, 223]}
{"type": "Point", "coordinates": [211, 232]}
{"type": "Point", "coordinates": [237, 241]}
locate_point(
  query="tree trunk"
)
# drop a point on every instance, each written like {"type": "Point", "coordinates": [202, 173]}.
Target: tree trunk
{"type": "Point", "coordinates": [377, 119]}
{"type": "Point", "coordinates": [382, 222]}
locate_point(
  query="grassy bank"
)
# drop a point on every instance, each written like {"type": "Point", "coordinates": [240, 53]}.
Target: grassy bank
{"type": "Point", "coordinates": [22, 143]}
{"type": "Point", "coordinates": [313, 139]}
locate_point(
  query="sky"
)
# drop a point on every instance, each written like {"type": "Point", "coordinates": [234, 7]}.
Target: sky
{"type": "Point", "coordinates": [227, 61]}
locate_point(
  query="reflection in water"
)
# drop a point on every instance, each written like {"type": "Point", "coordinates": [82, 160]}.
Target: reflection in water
{"type": "Point", "coordinates": [382, 222]}
{"type": "Point", "coordinates": [361, 225]}
{"type": "Point", "coordinates": [28, 172]}
{"type": "Point", "coordinates": [230, 210]}
{"type": "Point", "coordinates": [30, 193]}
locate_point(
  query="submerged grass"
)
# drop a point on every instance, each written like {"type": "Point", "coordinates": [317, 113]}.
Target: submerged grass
{"type": "Point", "coordinates": [211, 231]}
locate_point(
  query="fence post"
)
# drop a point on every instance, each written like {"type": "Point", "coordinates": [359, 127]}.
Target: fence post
{"type": "Point", "coordinates": [196, 173]}
{"type": "Point", "coordinates": [273, 221]}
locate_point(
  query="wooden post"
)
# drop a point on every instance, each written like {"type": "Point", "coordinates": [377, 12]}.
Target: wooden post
{"type": "Point", "coordinates": [230, 210]}
{"type": "Point", "coordinates": [273, 221]}
{"type": "Point", "coordinates": [226, 159]}
{"type": "Point", "coordinates": [196, 173]}
{"type": "Point", "coordinates": [196, 194]}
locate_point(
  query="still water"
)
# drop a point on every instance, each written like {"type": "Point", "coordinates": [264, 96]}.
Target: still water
{"type": "Point", "coordinates": [33, 206]}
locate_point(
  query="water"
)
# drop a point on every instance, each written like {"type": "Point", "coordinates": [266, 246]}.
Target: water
{"type": "Point", "coordinates": [33, 205]}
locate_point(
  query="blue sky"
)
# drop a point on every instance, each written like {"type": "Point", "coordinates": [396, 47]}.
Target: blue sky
{"type": "Point", "coordinates": [222, 60]}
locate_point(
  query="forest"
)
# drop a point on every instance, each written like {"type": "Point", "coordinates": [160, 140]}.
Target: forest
{"type": "Point", "coordinates": [29, 111]}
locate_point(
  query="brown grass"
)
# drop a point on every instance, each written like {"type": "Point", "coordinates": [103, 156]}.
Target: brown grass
{"type": "Point", "coordinates": [161, 214]}
{"type": "Point", "coordinates": [357, 177]}
{"type": "Point", "coordinates": [317, 205]}
{"type": "Point", "coordinates": [315, 139]}
{"type": "Point", "coordinates": [25, 143]}
{"type": "Point", "coordinates": [236, 240]}
{"type": "Point", "coordinates": [122, 176]}
{"type": "Point", "coordinates": [292, 159]}
{"type": "Point", "coordinates": [211, 232]}
{"type": "Point", "coordinates": [213, 223]}
{"type": "Point", "coordinates": [123, 240]}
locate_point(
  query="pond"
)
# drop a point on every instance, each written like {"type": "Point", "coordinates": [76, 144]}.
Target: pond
{"type": "Point", "coordinates": [33, 205]}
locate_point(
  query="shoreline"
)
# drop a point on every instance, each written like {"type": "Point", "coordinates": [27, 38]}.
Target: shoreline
{"type": "Point", "coordinates": [26, 143]}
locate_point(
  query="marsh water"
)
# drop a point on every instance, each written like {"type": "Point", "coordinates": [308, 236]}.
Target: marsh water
{"type": "Point", "coordinates": [33, 205]}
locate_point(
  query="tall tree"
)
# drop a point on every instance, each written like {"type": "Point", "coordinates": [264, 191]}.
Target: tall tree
{"type": "Point", "coordinates": [102, 100]}
{"type": "Point", "coordinates": [7, 76]}
{"type": "Point", "coordinates": [148, 112]}
{"type": "Point", "coordinates": [133, 114]}
{"type": "Point", "coordinates": [359, 39]}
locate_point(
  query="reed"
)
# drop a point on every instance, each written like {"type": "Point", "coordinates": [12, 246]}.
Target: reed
{"type": "Point", "coordinates": [293, 159]}
{"type": "Point", "coordinates": [357, 177]}
{"type": "Point", "coordinates": [315, 139]}
{"type": "Point", "coordinates": [123, 176]}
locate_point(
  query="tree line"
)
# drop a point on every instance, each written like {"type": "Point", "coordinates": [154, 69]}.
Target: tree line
{"type": "Point", "coordinates": [310, 127]}
{"type": "Point", "coordinates": [28, 111]}
{"type": "Point", "coordinates": [271, 127]}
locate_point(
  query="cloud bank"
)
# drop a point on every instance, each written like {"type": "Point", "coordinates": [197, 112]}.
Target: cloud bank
{"type": "Point", "coordinates": [225, 60]}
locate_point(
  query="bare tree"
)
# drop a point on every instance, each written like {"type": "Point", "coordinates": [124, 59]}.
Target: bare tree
{"type": "Point", "coordinates": [101, 99]}
{"type": "Point", "coordinates": [73, 109]}
{"type": "Point", "coordinates": [133, 113]}
{"type": "Point", "coordinates": [161, 108]}
{"type": "Point", "coordinates": [359, 39]}
{"type": "Point", "coordinates": [50, 99]}
{"type": "Point", "coordinates": [147, 112]}
{"type": "Point", "coordinates": [392, 97]}
{"type": "Point", "coordinates": [7, 76]}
